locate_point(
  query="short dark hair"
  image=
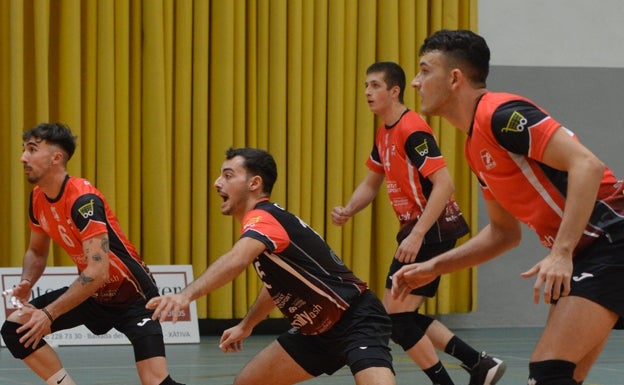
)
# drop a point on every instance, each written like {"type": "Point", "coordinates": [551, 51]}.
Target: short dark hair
{"type": "Point", "coordinates": [257, 162]}
{"type": "Point", "coordinates": [464, 48]}
{"type": "Point", "coordinates": [393, 75]}
{"type": "Point", "coordinates": [55, 133]}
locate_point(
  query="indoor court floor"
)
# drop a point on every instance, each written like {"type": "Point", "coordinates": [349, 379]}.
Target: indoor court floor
{"type": "Point", "coordinates": [204, 363]}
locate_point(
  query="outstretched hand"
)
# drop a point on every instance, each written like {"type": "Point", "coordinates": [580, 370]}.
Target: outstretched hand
{"type": "Point", "coordinates": [553, 273]}
{"type": "Point", "coordinates": [166, 305]}
{"type": "Point", "coordinates": [232, 339]}
{"type": "Point", "coordinates": [410, 277]}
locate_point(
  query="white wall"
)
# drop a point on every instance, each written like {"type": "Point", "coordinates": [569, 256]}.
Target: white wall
{"type": "Point", "coordinates": [554, 33]}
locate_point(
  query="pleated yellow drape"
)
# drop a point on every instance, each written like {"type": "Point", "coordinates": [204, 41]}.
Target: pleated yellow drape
{"type": "Point", "coordinates": [156, 90]}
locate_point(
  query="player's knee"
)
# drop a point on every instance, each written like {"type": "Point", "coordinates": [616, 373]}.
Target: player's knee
{"type": "Point", "coordinates": [11, 338]}
{"type": "Point", "coordinates": [148, 346]}
{"type": "Point", "coordinates": [423, 321]}
{"type": "Point", "coordinates": [552, 372]}
{"type": "Point", "coordinates": [405, 330]}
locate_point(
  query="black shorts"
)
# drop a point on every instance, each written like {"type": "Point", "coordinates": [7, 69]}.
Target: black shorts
{"type": "Point", "coordinates": [360, 340]}
{"type": "Point", "coordinates": [426, 252]}
{"type": "Point", "coordinates": [133, 320]}
{"type": "Point", "coordinates": [598, 275]}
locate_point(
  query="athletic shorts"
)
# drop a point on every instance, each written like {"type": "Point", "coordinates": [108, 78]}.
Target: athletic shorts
{"type": "Point", "coordinates": [359, 339]}
{"type": "Point", "coordinates": [598, 275]}
{"type": "Point", "coordinates": [426, 252]}
{"type": "Point", "coordinates": [133, 320]}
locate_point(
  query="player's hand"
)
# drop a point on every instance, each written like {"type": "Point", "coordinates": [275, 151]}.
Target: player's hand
{"type": "Point", "coordinates": [340, 215]}
{"type": "Point", "coordinates": [410, 277]}
{"type": "Point", "coordinates": [232, 339]}
{"type": "Point", "coordinates": [166, 305]}
{"type": "Point", "coordinates": [19, 294]}
{"type": "Point", "coordinates": [36, 327]}
{"type": "Point", "coordinates": [408, 249]}
{"type": "Point", "coordinates": [553, 273]}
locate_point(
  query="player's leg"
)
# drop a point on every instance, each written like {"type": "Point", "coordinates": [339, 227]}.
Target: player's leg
{"type": "Point", "coordinates": [583, 366]}
{"type": "Point", "coordinates": [575, 331]}
{"type": "Point", "coordinates": [154, 371]}
{"type": "Point", "coordinates": [412, 338]}
{"type": "Point", "coordinates": [375, 376]}
{"type": "Point", "coordinates": [41, 359]}
{"type": "Point", "coordinates": [147, 340]}
{"type": "Point", "coordinates": [272, 366]}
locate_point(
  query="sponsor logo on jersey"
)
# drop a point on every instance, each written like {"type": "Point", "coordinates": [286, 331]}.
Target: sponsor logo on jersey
{"type": "Point", "coordinates": [487, 159]}
{"type": "Point", "coordinates": [87, 210]}
{"type": "Point", "coordinates": [422, 149]}
{"type": "Point", "coordinates": [516, 123]}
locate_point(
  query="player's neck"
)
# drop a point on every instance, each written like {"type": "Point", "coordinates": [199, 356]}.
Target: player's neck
{"type": "Point", "coordinates": [462, 116]}
{"type": "Point", "coordinates": [394, 113]}
{"type": "Point", "coordinates": [52, 183]}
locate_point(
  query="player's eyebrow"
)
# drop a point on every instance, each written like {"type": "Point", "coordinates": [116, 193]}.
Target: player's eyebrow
{"type": "Point", "coordinates": [31, 143]}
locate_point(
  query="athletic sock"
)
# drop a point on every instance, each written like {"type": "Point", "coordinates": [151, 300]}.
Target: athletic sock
{"type": "Point", "coordinates": [462, 351]}
{"type": "Point", "coordinates": [60, 378]}
{"type": "Point", "coordinates": [169, 381]}
{"type": "Point", "coordinates": [438, 375]}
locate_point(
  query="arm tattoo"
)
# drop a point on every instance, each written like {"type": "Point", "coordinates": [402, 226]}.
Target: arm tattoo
{"type": "Point", "coordinates": [105, 245]}
{"type": "Point", "coordinates": [84, 280]}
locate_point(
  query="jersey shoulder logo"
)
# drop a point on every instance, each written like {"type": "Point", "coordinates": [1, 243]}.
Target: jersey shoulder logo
{"type": "Point", "coordinates": [423, 148]}
{"type": "Point", "coordinates": [87, 209]}
{"type": "Point", "coordinates": [516, 123]}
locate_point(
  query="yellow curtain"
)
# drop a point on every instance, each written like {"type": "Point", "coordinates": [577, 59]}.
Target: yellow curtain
{"type": "Point", "coordinates": [158, 89]}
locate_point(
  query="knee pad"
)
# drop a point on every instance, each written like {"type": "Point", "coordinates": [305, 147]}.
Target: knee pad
{"type": "Point", "coordinates": [148, 346]}
{"type": "Point", "coordinates": [552, 372]}
{"type": "Point", "coordinates": [11, 339]}
{"type": "Point", "coordinates": [405, 329]}
{"type": "Point", "coordinates": [423, 321]}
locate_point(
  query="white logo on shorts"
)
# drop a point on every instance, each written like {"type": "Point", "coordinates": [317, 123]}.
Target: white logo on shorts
{"type": "Point", "coordinates": [143, 321]}
{"type": "Point", "coordinates": [577, 278]}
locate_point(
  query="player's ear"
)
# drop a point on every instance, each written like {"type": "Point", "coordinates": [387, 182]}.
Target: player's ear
{"type": "Point", "coordinates": [255, 183]}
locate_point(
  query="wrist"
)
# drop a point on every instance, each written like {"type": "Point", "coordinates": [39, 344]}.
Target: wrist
{"type": "Point", "coordinates": [27, 280]}
{"type": "Point", "coordinates": [47, 313]}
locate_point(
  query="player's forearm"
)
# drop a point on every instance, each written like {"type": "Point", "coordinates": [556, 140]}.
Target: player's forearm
{"type": "Point", "coordinates": [92, 278]}
{"type": "Point", "coordinates": [219, 273]}
{"type": "Point", "coordinates": [259, 310]}
{"type": "Point", "coordinates": [33, 266]}
{"type": "Point", "coordinates": [487, 244]}
{"type": "Point", "coordinates": [87, 283]}
{"type": "Point", "coordinates": [436, 204]}
{"type": "Point", "coordinates": [583, 184]}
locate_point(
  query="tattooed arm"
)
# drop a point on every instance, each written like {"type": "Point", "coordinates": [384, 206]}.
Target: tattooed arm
{"type": "Point", "coordinates": [93, 277]}
{"type": "Point", "coordinates": [37, 322]}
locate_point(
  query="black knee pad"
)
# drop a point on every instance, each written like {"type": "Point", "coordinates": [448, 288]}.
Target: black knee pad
{"type": "Point", "coordinates": [148, 346]}
{"type": "Point", "coordinates": [405, 329]}
{"type": "Point", "coordinates": [11, 339]}
{"type": "Point", "coordinates": [552, 372]}
{"type": "Point", "coordinates": [423, 321]}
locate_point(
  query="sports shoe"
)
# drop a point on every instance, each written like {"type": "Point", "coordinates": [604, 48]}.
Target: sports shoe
{"type": "Point", "coordinates": [487, 371]}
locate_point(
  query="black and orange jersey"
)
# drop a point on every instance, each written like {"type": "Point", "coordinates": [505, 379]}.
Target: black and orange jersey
{"type": "Point", "coordinates": [81, 212]}
{"type": "Point", "coordinates": [407, 153]}
{"type": "Point", "coordinates": [308, 282]}
{"type": "Point", "coordinates": [505, 147]}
